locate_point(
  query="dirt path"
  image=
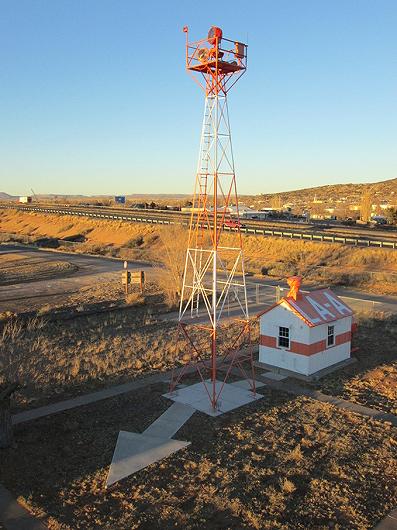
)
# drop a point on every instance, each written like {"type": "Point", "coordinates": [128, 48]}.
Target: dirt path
{"type": "Point", "coordinates": [83, 271]}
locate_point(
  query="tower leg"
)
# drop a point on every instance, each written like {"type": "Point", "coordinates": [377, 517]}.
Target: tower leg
{"type": "Point", "coordinates": [214, 267]}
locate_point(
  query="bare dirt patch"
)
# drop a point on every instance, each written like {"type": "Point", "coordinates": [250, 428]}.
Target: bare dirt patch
{"type": "Point", "coordinates": [275, 464]}
{"type": "Point", "coordinates": [372, 381]}
{"type": "Point", "coordinates": [17, 268]}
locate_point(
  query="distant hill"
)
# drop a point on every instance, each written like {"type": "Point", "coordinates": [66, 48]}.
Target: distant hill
{"type": "Point", "coordinates": [6, 197]}
{"type": "Point", "coordinates": [157, 196]}
{"type": "Point", "coordinates": [382, 192]}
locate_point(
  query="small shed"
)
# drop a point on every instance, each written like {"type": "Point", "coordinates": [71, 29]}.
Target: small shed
{"type": "Point", "coordinates": [305, 333]}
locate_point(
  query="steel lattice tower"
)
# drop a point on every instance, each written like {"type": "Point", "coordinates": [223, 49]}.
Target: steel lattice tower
{"type": "Point", "coordinates": [214, 269]}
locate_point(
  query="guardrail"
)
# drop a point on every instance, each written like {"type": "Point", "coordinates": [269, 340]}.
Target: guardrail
{"type": "Point", "coordinates": [262, 294]}
{"type": "Point", "coordinates": [305, 236]}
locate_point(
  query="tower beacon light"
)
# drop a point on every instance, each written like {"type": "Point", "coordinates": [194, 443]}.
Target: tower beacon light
{"type": "Point", "coordinates": [214, 277]}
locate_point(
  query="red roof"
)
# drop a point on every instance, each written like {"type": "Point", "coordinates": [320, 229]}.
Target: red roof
{"type": "Point", "coordinates": [316, 308]}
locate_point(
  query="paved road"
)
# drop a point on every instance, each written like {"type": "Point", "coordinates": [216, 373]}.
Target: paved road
{"type": "Point", "coordinates": [90, 270]}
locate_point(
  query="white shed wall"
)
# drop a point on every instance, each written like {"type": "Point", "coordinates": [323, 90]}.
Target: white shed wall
{"type": "Point", "coordinates": [282, 316]}
{"type": "Point", "coordinates": [301, 332]}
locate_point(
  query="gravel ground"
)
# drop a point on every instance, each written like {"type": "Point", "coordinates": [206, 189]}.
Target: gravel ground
{"type": "Point", "coordinates": [279, 463]}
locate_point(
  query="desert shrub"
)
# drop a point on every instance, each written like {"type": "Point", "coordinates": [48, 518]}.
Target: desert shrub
{"type": "Point", "coordinates": [349, 279]}
{"type": "Point", "coordinates": [283, 270]}
{"type": "Point", "coordinates": [295, 455]}
{"type": "Point", "coordinates": [47, 242]}
{"type": "Point", "coordinates": [45, 309]}
{"type": "Point", "coordinates": [112, 251]}
{"type": "Point", "coordinates": [172, 262]}
{"type": "Point", "coordinates": [135, 299]}
{"type": "Point", "coordinates": [266, 269]}
{"type": "Point", "coordinates": [135, 242]}
{"type": "Point", "coordinates": [15, 359]}
{"type": "Point", "coordinates": [15, 238]}
{"type": "Point", "coordinates": [4, 237]}
{"type": "Point", "coordinates": [98, 248]}
{"type": "Point", "coordinates": [151, 239]}
{"type": "Point", "coordinates": [287, 486]}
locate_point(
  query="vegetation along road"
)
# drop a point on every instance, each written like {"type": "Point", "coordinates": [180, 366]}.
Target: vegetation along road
{"type": "Point", "coordinates": [47, 276]}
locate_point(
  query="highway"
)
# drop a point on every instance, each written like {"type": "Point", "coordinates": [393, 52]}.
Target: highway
{"type": "Point", "coordinates": [352, 236]}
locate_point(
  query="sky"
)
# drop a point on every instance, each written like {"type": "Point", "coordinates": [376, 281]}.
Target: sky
{"type": "Point", "coordinates": [95, 99]}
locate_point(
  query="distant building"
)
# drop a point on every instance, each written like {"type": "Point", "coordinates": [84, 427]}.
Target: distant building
{"type": "Point", "coordinates": [25, 200]}
{"type": "Point", "coordinates": [255, 214]}
{"type": "Point", "coordinates": [191, 209]}
{"type": "Point", "coordinates": [232, 209]}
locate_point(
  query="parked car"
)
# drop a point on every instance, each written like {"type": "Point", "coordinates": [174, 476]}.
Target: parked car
{"type": "Point", "coordinates": [233, 224]}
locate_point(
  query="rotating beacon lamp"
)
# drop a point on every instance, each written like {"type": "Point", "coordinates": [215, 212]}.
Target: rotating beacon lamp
{"type": "Point", "coordinates": [214, 280]}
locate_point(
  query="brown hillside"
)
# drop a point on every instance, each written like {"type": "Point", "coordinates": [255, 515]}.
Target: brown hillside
{"type": "Point", "coordinates": [382, 192]}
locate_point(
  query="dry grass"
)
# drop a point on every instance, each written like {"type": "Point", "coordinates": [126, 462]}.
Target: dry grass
{"type": "Point", "coordinates": [171, 255]}
{"type": "Point", "coordinates": [372, 381]}
{"type": "Point", "coordinates": [17, 365]}
{"type": "Point", "coordinates": [90, 352]}
{"type": "Point", "coordinates": [95, 232]}
{"type": "Point", "coordinates": [55, 360]}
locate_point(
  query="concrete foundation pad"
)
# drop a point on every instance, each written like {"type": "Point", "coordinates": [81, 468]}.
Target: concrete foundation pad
{"type": "Point", "coordinates": [308, 378]}
{"type": "Point", "coordinates": [136, 451]}
{"type": "Point", "coordinates": [170, 421]}
{"type": "Point", "coordinates": [246, 383]}
{"type": "Point", "coordinates": [232, 397]}
{"type": "Point", "coordinates": [274, 377]}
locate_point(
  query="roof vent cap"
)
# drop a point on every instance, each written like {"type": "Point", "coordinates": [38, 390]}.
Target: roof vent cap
{"type": "Point", "coordinates": [294, 283]}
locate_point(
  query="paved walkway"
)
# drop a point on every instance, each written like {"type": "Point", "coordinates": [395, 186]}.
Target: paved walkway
{"type": "Point", "coordinates": [86, 399]}
{"type": "Point", "coordinates": [297, 390]}
{"type": "Point", "coordinates": [285, 386]}
{"type": "Point", "coordinates": [170, 421]}
{"type": "Point", "coordinates": [136, 451]}
{"type": "Point", "coordinates": [14, 516]}
{"type": "Point", "coordinates": [389, 522]}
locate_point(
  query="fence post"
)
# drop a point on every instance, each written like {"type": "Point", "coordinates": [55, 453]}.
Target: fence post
{"type": "Point", "coordinates": [257, 293]}
{"type": "Point", "coordinates": [278, 293]}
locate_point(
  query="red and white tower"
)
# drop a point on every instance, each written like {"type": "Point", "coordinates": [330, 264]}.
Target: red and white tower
{"type": "Point", "coordinates": [214, 275]}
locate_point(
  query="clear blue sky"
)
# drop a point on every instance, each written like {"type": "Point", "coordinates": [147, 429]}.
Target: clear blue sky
{"type": "Point", "coordinates": [94, 97]}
